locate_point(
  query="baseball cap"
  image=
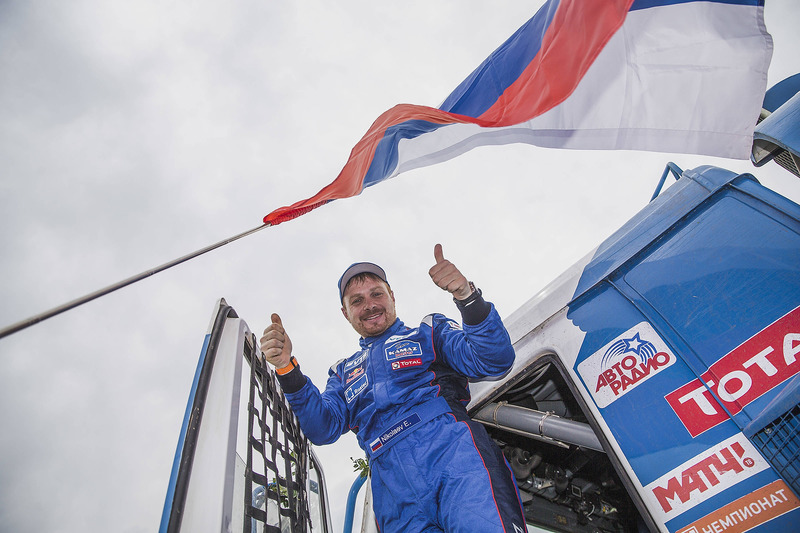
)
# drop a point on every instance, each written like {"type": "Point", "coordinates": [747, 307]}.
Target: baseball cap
{"type": "Point", "coordinates": [354, 270]}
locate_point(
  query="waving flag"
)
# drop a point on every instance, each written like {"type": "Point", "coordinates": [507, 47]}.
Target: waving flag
{"type": "Point", "coordinates": [658, 75]}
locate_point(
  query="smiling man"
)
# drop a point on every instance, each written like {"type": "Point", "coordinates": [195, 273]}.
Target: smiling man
{"type": "Point", "coordinates": [368, 302]}
{"type": "Point", "coordinates": [404, 393]}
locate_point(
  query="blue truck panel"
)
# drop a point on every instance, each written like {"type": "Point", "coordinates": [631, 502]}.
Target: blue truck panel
{"type": "Point", "coordinates": [692, 320]}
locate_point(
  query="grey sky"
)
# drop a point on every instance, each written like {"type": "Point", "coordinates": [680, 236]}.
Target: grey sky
{"type": "Point", "coordinates": [132, 133]}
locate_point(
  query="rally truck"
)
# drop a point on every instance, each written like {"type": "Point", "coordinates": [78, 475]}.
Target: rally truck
{"type": "Point", "coordinates": [655, 386]}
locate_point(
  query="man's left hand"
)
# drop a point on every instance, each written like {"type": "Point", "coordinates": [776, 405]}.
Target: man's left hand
{"type": "Point", "coordinates": [448, 277]}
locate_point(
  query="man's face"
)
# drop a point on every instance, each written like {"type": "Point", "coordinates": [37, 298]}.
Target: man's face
{"type": "Point", "coordinates": [369, 306]}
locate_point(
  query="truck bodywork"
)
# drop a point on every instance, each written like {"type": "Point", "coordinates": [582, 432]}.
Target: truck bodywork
{"type": "Point", "coordinates": [677, 342]}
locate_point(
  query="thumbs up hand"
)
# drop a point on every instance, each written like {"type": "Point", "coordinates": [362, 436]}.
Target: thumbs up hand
{"type": "Point", "coordinates": [445, 275]}
{"type": "Point", "coordinates": [275, 343]}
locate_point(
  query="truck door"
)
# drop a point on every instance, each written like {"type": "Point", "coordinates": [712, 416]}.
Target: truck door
{"type": "Point", "coordinates": [242, 462]}
{"type": "Point", "coordinates": [692, 348]}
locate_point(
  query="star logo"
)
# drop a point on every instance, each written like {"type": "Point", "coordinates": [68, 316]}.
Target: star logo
{"type": "Point", "coordinates": [633, 344]}
{"type": "Point", "coordinates": [643, 349]}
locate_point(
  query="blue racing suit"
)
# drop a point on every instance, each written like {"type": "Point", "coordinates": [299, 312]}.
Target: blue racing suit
{"type": "Point", "coordinates": [404, 394]}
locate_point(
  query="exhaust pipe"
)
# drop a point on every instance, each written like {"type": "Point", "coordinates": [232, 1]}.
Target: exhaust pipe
{"type": "Point", "coordinates": [536, 424]}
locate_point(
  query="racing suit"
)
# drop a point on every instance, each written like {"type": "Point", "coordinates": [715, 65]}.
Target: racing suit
{"type": "Point", "coordinates": [404, 394]}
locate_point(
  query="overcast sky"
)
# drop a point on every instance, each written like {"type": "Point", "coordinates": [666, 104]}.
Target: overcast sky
{"type": "Point", "coordinates": [132, 133]}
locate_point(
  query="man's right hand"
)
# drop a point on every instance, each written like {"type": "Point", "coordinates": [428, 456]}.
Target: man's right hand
{"type": "Point", "coordinates": [275, 343]}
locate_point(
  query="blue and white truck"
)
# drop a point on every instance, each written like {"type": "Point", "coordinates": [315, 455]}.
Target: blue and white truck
{"type": "Point", "coordinates": [655, 386]}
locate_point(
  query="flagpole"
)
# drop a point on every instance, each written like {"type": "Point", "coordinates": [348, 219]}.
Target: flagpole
{"type": "Point", "coordinates": [22, 324]}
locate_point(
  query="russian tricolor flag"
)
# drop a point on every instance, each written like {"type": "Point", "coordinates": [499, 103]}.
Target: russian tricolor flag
{"type": "Point", "coordinates": [682, 76]}
{"type": "Point", "coordinates": [376, 445]}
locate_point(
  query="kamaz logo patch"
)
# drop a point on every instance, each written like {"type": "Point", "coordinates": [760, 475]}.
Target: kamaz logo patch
{"type": "Point", "coordinates": [403, 349]}
{"type": "Point", "coordinates": [625, 363]}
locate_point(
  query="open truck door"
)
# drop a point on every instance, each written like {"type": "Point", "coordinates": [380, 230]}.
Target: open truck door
{"type": "Point", "coordinates": [242, 462]}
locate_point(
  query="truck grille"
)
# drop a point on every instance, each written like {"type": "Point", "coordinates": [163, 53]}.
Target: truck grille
{"type": "Point", "coordinates": [779, 441]}
{"type": "Point", "coordinates": [788, 161]}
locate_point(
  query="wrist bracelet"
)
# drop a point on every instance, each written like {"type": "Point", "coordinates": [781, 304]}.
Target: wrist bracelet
{"type": "Point", "coordinates": [282, 371]}
{"type": "Point", "coordinates": [476, 293]}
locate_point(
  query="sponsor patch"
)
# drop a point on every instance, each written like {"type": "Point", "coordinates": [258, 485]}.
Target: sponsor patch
{"type": "Point", "coordinates": [357, 361]}
{"type": "Point", "coordinates": [749, 511]}
{"type": "Point", "coordinates": [705, 475]}
{"type": "Point", "coordinates": [395, 430]}
{"type": "Point", "coordinates": [395, 338]}
{"type": "Point", "coordinates": [356, 388]}
{"type": "Point", "coordinates": [353, 374]}
{"type": "Point", "coordinates": [403, 349]}
{"type": "Point", "coordinates": [754, 368]}
{"type": "Point", "coordinates": [625, 363]}
{"type": "Point", "coordinates": [406, 363]}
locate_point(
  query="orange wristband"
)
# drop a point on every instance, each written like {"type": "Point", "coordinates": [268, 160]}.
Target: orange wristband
{"type": "Point", "coordinates": [288, 368]}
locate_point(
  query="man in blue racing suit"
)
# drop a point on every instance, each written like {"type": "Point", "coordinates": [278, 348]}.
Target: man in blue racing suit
{"type": "Point", "coordinates": [404, 394]}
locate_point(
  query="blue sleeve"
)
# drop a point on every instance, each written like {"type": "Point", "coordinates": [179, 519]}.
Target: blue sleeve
{"type": "Point", "coordinates": [322, 416]}
{"type": "Point", "coordinates": [476, 351]}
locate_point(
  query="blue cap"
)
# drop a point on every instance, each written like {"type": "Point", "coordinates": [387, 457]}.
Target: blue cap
{"type": "Point", "coordinates": [359, 268]}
